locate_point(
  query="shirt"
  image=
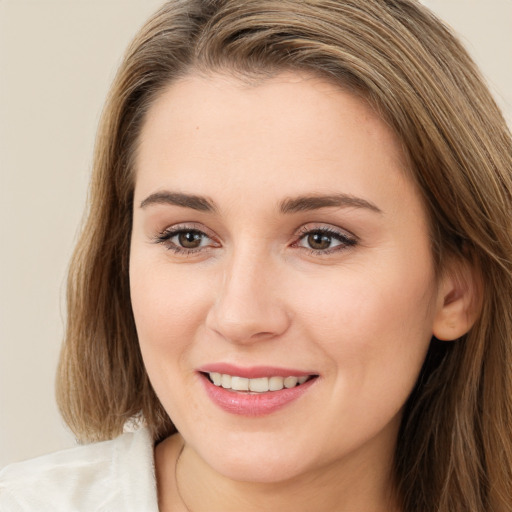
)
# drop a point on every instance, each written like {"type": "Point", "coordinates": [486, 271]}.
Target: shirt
{"type": "Point", "coordinates": [111, 476]}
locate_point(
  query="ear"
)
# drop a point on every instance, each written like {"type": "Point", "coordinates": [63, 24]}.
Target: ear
{"type": "Point", "coordinates": [458, 301]}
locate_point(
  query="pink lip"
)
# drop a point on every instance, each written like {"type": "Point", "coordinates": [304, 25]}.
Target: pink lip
{"type": "Point", "coordinates": [253, 372]}
{"type": "Point", "coordinates": [253, 404]}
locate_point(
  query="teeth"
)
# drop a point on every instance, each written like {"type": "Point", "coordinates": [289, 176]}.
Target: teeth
{"type": "Point", "coordinates": [216, 378]}
{"type": "Point", "coordinates": [290, 382]}
{"type": "Point", "coordinates": [225, 381]}
{"type": "Point", "coordinates": [275, 383]}
{"type": "Point", "coordinates": [239, 384]}
{"type": "Point", "coordinates": [260, 385]}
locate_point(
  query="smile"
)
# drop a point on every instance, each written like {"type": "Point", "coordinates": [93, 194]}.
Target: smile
{"type": "Point", "coordinates": [258, 385]}
{"type": "Point", "coordinates": [253, 393]}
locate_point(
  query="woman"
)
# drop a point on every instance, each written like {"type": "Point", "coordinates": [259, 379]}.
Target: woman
{"type": "Point", "coordinates": [298, 257]}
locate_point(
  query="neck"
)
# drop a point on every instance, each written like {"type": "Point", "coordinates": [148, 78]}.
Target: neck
{"type": "Point", "coordinates": [195, 486]}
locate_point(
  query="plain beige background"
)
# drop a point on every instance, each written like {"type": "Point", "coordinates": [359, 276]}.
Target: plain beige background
{"type": "Point", "coordinates": [57, 59]}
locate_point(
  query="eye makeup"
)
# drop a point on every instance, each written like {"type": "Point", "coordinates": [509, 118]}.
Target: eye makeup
{"type": "Point", "coordinates": [318, 239]}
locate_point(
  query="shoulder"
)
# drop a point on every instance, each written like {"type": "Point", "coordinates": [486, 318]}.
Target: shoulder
{"type": "Point", "coordinates": [108, 476]}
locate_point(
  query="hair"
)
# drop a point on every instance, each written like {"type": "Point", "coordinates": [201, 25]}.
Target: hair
{"type": "Point", "coordinates": [454, 449]}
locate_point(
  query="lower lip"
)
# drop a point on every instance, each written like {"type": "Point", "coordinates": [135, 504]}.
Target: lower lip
{"type": "Point", "coordinates": [253, 404]}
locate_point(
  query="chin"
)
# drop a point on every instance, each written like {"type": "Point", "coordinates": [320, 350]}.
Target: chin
{"type": "Point", "coordinates": [257, 457]}
{"type": "Point", "coordinates": [256, 471]}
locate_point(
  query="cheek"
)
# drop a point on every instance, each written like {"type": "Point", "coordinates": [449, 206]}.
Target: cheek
{"type": "Point", "coordinates": [374, 326]}
{"type": "Point", "coordinates": [168, 305]}
{"type": "Point", "coordinates": [364, 303]}
{"type": "Point", "coordinates": [168, 308]}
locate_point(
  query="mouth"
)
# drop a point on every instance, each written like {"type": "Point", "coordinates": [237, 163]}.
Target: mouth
{"type": "Point", "coordinates": [256, 385]}
{"type": "Point", "coordinates": [258, 391]}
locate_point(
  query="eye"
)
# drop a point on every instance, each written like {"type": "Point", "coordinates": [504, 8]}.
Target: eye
{"type": "Point", "coordinates": [184, 240]}
{"type": "Point", "coordinates": [324, 240]}
{"type": "Point", "coordinates": [189, 239]}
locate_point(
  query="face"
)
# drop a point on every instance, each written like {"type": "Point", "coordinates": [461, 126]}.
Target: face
{"type": "Point", "coordinates": [276, 234]}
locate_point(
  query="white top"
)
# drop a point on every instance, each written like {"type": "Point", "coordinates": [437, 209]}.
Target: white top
{"type": "Point", "coordinates": [112, 476]}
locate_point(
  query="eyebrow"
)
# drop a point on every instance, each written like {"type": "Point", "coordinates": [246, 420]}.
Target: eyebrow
{"type": "Point", "coordinates": [315, 202]}
{"type": "Point", "coordinates": [287, 206]}
{"type": "Point", "coordinates": [199, 203]}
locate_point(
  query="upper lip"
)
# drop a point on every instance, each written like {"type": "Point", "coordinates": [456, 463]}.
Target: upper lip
{"type": "Point", "coordinates": [253, 372]}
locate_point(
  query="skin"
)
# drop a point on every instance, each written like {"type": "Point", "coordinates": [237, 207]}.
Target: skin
{"type": "Point", "coordinates": [255, 292]}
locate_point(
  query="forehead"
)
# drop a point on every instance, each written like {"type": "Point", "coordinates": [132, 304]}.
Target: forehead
{"type": "Point", "coordinates": [206, 134]}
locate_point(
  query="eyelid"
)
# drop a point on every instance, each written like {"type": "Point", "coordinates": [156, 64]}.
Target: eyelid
{"type": "Point", "coordinates": [164, 237]}
{"type": "Point", "coordinates": [327, 228]}
{"type": "Point", "coordinates": [184, 226]}
{"type": "Point", "coordinates": [347, 239]}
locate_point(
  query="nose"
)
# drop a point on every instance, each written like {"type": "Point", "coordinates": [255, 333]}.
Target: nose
{"type": "Point", "coordinates": [248, 307]}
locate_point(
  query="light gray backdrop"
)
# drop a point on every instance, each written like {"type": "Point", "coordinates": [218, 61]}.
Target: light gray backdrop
{"type": "Point", "coordinates": [57, 59]}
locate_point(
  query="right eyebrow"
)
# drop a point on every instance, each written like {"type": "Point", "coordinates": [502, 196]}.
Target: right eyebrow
{"type": "Point", "coordinates": [316, 202]}
{"type": "Point", "coordinates": [199, 203]}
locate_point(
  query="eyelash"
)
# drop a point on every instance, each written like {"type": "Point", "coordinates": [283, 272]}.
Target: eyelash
{"type": "Point", "coordinates": [167, 235]}
{"type": "Point", "coordinates": [346, 241]}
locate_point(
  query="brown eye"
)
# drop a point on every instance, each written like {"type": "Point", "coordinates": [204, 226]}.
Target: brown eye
{"type": "Point", "coordinates": [186, 241]}
{"type": "Point", "coordinates": [325, 241]}
{"type": "Point", "coordinates": [190, 239]}
{"type": "Point", "coordinates": [319, 241]}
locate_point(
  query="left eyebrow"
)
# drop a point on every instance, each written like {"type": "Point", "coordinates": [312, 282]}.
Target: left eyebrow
{"type": "Point", "coordinates": [315, 202]}
{"type": "Point", "coordinates": [192, 201]}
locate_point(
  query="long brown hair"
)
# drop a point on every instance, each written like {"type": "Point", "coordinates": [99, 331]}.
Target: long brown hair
{"type": "Point", "coordinates": [454, 451]}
